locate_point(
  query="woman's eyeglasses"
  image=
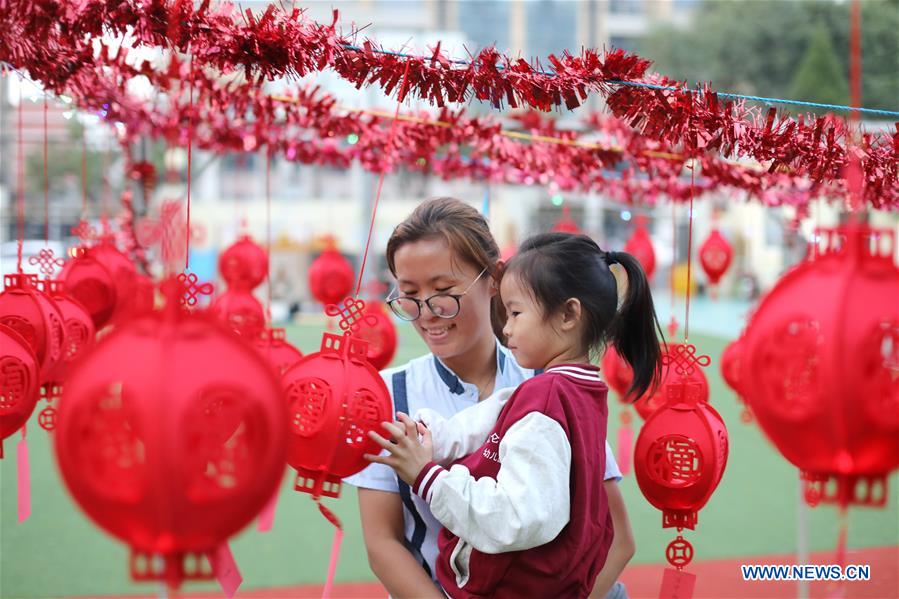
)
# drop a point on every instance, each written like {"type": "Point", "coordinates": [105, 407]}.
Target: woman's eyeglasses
{"type": "Point", "coordinates": [442, 305]}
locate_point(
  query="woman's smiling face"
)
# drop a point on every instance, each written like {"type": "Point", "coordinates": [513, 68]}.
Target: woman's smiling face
{"type": "Point", "coordinates": [429, 266]}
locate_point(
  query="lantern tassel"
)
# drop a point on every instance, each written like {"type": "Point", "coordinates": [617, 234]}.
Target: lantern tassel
{"type": "Point", "coordinates": [625, 442]}
{"type": "Point", "coordinates": [23, 478]}
{"type": "Point", "coordinates": [335, 546]}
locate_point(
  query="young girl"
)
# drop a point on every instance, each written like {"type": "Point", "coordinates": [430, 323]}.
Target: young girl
{"type": "Point", "coordinates": [525, 513]}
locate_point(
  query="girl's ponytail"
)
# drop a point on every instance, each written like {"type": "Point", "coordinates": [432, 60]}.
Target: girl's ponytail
{"type": "Point", "coordinates": [633, 330]}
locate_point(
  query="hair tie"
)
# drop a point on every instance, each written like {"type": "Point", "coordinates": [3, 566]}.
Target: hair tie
{"type": "Point", "coordinates": [610, 258]}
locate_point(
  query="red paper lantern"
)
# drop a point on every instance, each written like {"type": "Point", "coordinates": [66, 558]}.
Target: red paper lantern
{"type": "Point", "coordinates": [244, 265]}
{"type": "Point", "coordinates": [330, 277]}
{"type": "Point", "coordinates": [19, 381]}
{"type": "Point", "coordinates": [715, 255]}
{"type": "Point", "coordinates": [616, 372]}
{"type": "Point", "coordinates": [92, 284]}
{"type": "Point", "coordinates": [639, 245]}
{"type": "Point", "coordinates": [681, 453]}
{"type": "Point", "coordinates": [79, 328]}
{"type": "Point", "coordinates": [730, 372]}
{"type": "Point", "coordinates": [334, 397]}
{"type": "Point", "coordinates": [142, 301]}
{"type": "Point", "coordinates": [36, 318]}
{"type": "Point", "coordinates": [381, 336]}
{"type": "Point", "coordinates": [171, 437]}
{"type": "Point", "coordinates": [241, 312]}
{"type": "Point", "coordinates": [273, 345]}
{"type": "Point", "coordinates": [693, 382]}
{"type": "Point", "coordinates": [566, 224]}
{"type": "Point", "coordinates": [820, 363]}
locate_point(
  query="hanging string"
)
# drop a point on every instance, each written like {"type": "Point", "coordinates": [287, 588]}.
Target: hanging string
{"type": "Point", "coordinates": [83, 171]}
{"type": "Point", "coordinates": [672, 324]}
{"type": "Point", "coordinates": [690, 251]}
{"type": "Point", "coordinates": [388, 152]}
{"type": "Point", "coordinates": [190, 139]}
{"type": "Point", "coordinates": [268, 231]}
{"type": "Point", "coordinates": [20, 201]}
{"type": "Point", "coordinates": [46, 181]}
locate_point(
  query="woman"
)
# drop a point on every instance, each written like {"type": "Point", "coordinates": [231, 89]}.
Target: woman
{"type": "Point", "coordinates": [444, 256]}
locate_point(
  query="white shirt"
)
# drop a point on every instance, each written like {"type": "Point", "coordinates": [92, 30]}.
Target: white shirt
{"type": "Point", "coordinates": [426, 382]}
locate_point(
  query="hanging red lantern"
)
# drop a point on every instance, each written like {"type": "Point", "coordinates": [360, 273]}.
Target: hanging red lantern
{"type": "Point", "coordinates": [241, 312]}
{"type": "Point", "coordinates": [244, 265]}
{"type": "Point", "coordinates": [273, 345]}
{"type": "Point", "coordinates": [35, 317]}
{"type": "Point", "coordinates": [730, 372]}
{"type": "Point", "coordinates": [143, 300]}
{"type": "Point", "coordinates": [124, 274]}
{"type": "Point", "coordinates": [715, 255]}
{"type": "Point", "coordinates": [330, 277]}
{"type": "Point", "coordinates": [171, 437]}
{"type": "Point", "coordinates": [639, 245]}
{"type": "Point", "coordinates": [693, 382]}
{"type": "Point", "coordinates": [820, 359]}
{"type": "Point", "coordinates": [381, 335]}
{"type": "Point", "coordinates": [92, 285]}
{"type": "Point", "coordinates": [334, 397]}
{"type": "Point", "coordinates": [681, 454]}
{"type": "Point", "coordinates": [566, 224]}
{"type": "Point", "coordinates": [616, 372]}
{"type": "Point", "coordinates": [19, 381]}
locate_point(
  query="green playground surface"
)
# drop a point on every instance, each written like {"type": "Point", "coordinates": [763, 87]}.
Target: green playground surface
{"type": "Point", "coordinates": [58, 552]}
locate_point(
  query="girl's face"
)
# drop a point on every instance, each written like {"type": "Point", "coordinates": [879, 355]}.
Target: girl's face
{"type": "Point", "coordinates": [427, 267]}
{"type": "Point", "coordinates": [534, 340]}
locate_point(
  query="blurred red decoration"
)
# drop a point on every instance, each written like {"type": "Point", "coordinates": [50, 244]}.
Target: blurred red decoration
{"type": "Point", "coordinates": [381, 335]}
{"type": "Point", "coordinates": [36, 318]}
{"type": "Point", "coordinates": [142, 299]}
{"type": "Point", "coordinates": [241, 312]}
{"type": "Point", "coordinates": [639, 245]}
{"type": "Point", "coordinates": [19, 381]}
{"type": "Point", "coordinates": [566, 224]}
{"type": "Point", "coordinates": [616, 372]}
{"type": "Point", "coordinates": [92, 285]}
{"type": "Point", "coordinates": [820, 366]}
{"type": "Point", "coordinates": [244, 264]}
{"type": "Point", "coordinates": [124, 274]}
{"type": "Point", "coordinates": [730, 371]}
{"type": "Point", "coordinates": [171, 437]}
{"type": "Point", "coordinates": [46, 262]}
{"type": "Point", "coordinates": [334, 397]}
{"type": "Point", "coordinates": [681, 453]}
{"type": "Point", "coordinates": [715, 255]}
{"type": "Point", "coordinates": [278, 352]}
{"type": "Point", "coordinates": [691, 381]}
{"type": "Point", "coordinates": [330, 277]}
{"type": "Point", "coordinates": [78, 325]}
{"type": "Point", "coordinates": [508, 252]}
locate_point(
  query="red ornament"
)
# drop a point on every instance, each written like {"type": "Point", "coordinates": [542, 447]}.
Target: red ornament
{"type": "Point", "coordinates": [639, 245]}
{"type": "Point", "coordinates": [124, 274]}
{"type": "Point", "coordinates": [566, 224]}
{"type": "Point", "coordinates": [820, 366]}
{"type": "Point", "coordinates": [79, 328]}
{"type": "Point", "coordinates": [679, 365]}
{"type": "Point", "coordinates": [241, 312]}
{"type": "Point", "coordinates": [335, 397]}
{"type": "Point", "coordinates": [36, 318]}
{"type": "Point", "coordinates": [273, 345]}
{"type": "Point", "coordinates": [730, 372]}
{"type": "Point", "coordinates": [143, 299]}
{"type": "Point", "coordinates": [19, 381]}
{"type": "Point", "coordinates": [381, 336]}
{"type": "Point", "coordinates": [681, 454]}
{"type": "Point", "coordinates": [616, 372]}
{"type": "Point", "coordinates": [244, 265]}
{"type": "Point", "coordinates": [171, 437]}
{"type": "Point", "coordinates": [330, 277]}
{"type": "Point", "coordinates": [715, 255]}
{"type": "Point", "coordinates": [92, 285]}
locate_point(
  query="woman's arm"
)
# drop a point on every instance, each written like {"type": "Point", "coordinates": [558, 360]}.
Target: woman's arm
{"type": "Point", "coordinates": [623, 546]}
{"type": "Point", "coordinates": [392, 563]}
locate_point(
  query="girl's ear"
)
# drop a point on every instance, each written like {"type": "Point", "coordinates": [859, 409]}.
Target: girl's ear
{"type": "Point", "coordinates": [571, 314]}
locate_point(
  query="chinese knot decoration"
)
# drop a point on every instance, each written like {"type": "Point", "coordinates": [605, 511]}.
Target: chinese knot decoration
{"type": "Point", "coordinates": [691, 381]}
{"type": "Point", "coordinates": [334, 397]}
{"type": "Point", "coordinates": [639, 245]}
{"type": "Point", "coordinates": [19, 380]}
{"type": "Point", "coordinates": [715, 255]}
{"type": "Point", "coordinates": [820, 366]}
{"type": "Point", "coordinates": [176, 451]}
{"type": "Point", "coordinates": [681, 451]}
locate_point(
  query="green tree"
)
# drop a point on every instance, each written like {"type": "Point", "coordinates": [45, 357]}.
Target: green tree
{"type": "Point", "coordinates": [820, 76]}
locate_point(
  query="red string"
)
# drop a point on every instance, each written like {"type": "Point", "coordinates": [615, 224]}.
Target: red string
{"type": "Point", "coordinates": [388, 153]}
{"type": "Point", "coordinates": [21, 184]}
{"type": "Point", "coordinates": [190, 138]}
{"type": "Point", "coordinates": [690, 251]}
{"type": "Point", "coordinates": [46, 182]}
{"type": "Point", "coordinates": [268, 229]}
{"type": "Point", "coordinates": [673, 323]}
{"type": "Point", "coordinates": [83, 171]}
{"type": "Point", "coordinates": [855, 58]}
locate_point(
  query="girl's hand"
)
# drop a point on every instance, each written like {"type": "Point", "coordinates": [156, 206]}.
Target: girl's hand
{"type": "Point", "coordinates": [408, 454]}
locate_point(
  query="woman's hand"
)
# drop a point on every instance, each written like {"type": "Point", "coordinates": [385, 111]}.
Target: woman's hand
{"type": "Point", "coordinates": [408, 454]}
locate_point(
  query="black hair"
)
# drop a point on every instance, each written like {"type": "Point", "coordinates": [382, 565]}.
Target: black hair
{"type": "Point", "coordinates": [561, 266]}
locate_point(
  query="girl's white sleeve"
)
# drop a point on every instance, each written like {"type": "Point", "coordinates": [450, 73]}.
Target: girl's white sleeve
{"type": "Point", "coordinates": [467, 430]}
{"type": "Point", "coordinates": [525, 506]}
